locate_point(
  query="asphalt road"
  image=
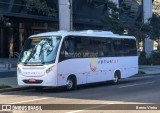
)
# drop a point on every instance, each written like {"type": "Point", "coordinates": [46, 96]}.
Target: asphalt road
{"type": "Point", "coordinates": [138, 90]}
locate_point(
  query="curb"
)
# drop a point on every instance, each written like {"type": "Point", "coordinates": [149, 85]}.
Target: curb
{"type": "Point", "coordinates": [142, 75]}
{"type": "Point", "coordinates": [13, 89]}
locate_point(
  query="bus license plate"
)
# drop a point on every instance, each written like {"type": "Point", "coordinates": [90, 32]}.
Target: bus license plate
{"type": "Point", "coordinates": [32, 80]}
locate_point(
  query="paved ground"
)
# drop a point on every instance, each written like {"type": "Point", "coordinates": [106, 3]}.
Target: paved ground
{"type": "Point", "coordinates": [150, 69]}
{"type": "Point", "coordinates": [11, 81]}
{"type": "Point", "coordinates": [9, 78]}
{"type": "Point", "coordinates": [138, 90]}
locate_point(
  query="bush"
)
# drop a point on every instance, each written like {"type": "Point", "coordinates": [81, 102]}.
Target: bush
{"type": "Point", "coordinates": [155, 58]}
{"type": "Point", "coordinates": [2, 86]}
{"type": "Point", "coordinates": [141, 72]}
{"type": "Point", "coordinates": [143, 60]}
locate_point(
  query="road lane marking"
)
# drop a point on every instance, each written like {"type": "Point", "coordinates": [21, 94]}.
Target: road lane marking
{"type": "Point", "coordinates": [131, 85]}
{"type": "Point", "coordinates": [90, 108]}
{"type": "Point", "coordinates": [86, 109]}
{"type": "Point", "coordinates": [20, 102]}
{"type": "Point", "coordinates": [75, 111]}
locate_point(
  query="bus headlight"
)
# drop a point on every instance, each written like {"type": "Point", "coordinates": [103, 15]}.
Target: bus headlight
{"type": "Point", "coordinates": [49, 69]}
{"type": "Point", "coordinates": [19, 70]}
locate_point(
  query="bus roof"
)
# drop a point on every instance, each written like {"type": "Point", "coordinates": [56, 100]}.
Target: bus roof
{"type": "Point", "coordinates": [94, 33]}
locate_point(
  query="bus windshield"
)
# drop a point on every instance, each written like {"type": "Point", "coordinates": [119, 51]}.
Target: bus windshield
{"type": "Point", "coordinates": [40, 50]}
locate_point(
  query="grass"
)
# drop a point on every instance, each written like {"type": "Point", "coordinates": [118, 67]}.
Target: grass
{"type": "Point", "coordinates": [2, 86]}
{"type": "Point", "coordinates": [141, 72]}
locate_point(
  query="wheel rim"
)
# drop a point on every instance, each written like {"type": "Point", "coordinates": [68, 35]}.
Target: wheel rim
{"type": "Point", "coordinates": [115, 78]}
{"type": "Point", "coordinates": [69, 84]}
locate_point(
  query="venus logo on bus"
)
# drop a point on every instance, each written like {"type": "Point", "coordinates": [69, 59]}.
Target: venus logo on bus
{"type": "Point", "coordinates": [93, 64]}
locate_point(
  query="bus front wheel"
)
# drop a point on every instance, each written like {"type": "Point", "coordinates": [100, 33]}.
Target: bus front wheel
{"type": "Point", "coordinates": [71, 83]}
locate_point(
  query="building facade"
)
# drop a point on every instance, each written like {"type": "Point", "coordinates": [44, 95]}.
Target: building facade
{"type": "Point", "coordinates": [22, 18]}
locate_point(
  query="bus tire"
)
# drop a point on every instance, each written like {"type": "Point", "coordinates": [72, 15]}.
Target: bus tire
{"type": "Point", "coordinates": [71, 83]}
{"type": "Point", "coordinates": [117, 76]}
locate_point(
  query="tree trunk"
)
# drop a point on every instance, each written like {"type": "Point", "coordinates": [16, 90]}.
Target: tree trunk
{"type": "Point", "coordinates": [143, 45]}
{"type": "Point", "coordinates": [159, 44]}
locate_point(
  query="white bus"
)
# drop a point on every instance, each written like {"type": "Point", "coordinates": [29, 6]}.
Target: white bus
{"type": "Point", "coordinates": [72, 58]}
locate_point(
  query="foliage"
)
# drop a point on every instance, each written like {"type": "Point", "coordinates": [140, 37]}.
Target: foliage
{"type": "Point", "coordinates": [150, 29]}
{"type": "Point", "coordinates": [143, 60]}
{"type": "Point", "coordinates": [154, 58]}
{"type": "Point", "coordinates": [154, 23]}
{"type": "Point", "coordinates": [135, 31]}
{"type": "Point", "coordinates": [89, 3]}
{"type": "Point", "coordinates": [141, 72]}
{"type": "Point", "coordinates": [111, 18]}
{"type": "Point", "coordinates": [40, 7]}
{"type": "Point", "coordinates": [140, 30]}
{"type": "Point", "coordinates": [2, 86]}
{"type": "Point", "coordinates": [3, 21]}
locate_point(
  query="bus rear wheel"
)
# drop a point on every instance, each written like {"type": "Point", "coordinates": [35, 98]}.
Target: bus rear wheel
{"type": "Point", "coordinates": [116, 77]}
{"type": "Point", "coordinates": [71, 83]}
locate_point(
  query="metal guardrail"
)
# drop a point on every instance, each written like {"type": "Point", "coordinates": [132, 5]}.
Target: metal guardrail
{"type": "Point", "coordinates": [3, 65]}
{"type": "Point", "coordinates": [9, 63]}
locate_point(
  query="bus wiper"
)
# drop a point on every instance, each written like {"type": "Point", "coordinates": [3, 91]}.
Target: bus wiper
{"type": "Point", "coordinates": [42, 58]}
{"type": "Point", "coordinates": [29, 57]}
{"type": "Point", "coordinates": [42, 55]}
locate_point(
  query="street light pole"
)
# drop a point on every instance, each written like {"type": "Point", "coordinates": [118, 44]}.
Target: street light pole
{"type": "Point", "coordinates": [8, 25]}
{"type": "Point", "coordinates": [65, 15]}
{"type": "Point", "coordinates": [71, 14]}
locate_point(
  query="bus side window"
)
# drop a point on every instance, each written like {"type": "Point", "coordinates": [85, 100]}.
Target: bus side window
{"type": "Point", "coordinates": [126, 47]}
{"type": "Point", "coordinates": [108, 45]}
{"type": "Point", "coordinates": [68, 49]}
{"type": "Point", "coordinates": [129, 46]}
{"type": "Point", "coordinates": [65, 50]}
{"type": "Point", "coordinates": [118, 47]}
{"type": "Point", "coordinates": [62, 53]}
{"type": "Point", "coordinates": [133, 50]}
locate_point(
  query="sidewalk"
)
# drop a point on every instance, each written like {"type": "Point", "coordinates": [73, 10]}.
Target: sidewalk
{"type": "Point", "coordinates": [150, 69]}
{"type": "Point", "coordinates": [11, 81]}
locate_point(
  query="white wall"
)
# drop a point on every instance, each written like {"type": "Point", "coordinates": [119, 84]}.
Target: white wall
{"type": "Point", "coordinates": [65, 18]}
{"type": "Point", "coordinates": [148, 46]}
{"type": "Point", "coordinates": [64, 15]}
{"type": "Point", "coordinates": [147, 12]}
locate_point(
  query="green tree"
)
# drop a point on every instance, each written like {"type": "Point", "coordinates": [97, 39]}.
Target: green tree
{"type": "Point", "coordinates": [111, 19]}
{"type": "Point", "coordinates": [140, 31]}
{"type": "Point", "coordinates": [150, 29]}
{"type": "Point", "coordinates": [40, 7]}
{"type": "Point", "coordinates": [3, 20]}
{"type": "Point", "coordinates": [154, 22]}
